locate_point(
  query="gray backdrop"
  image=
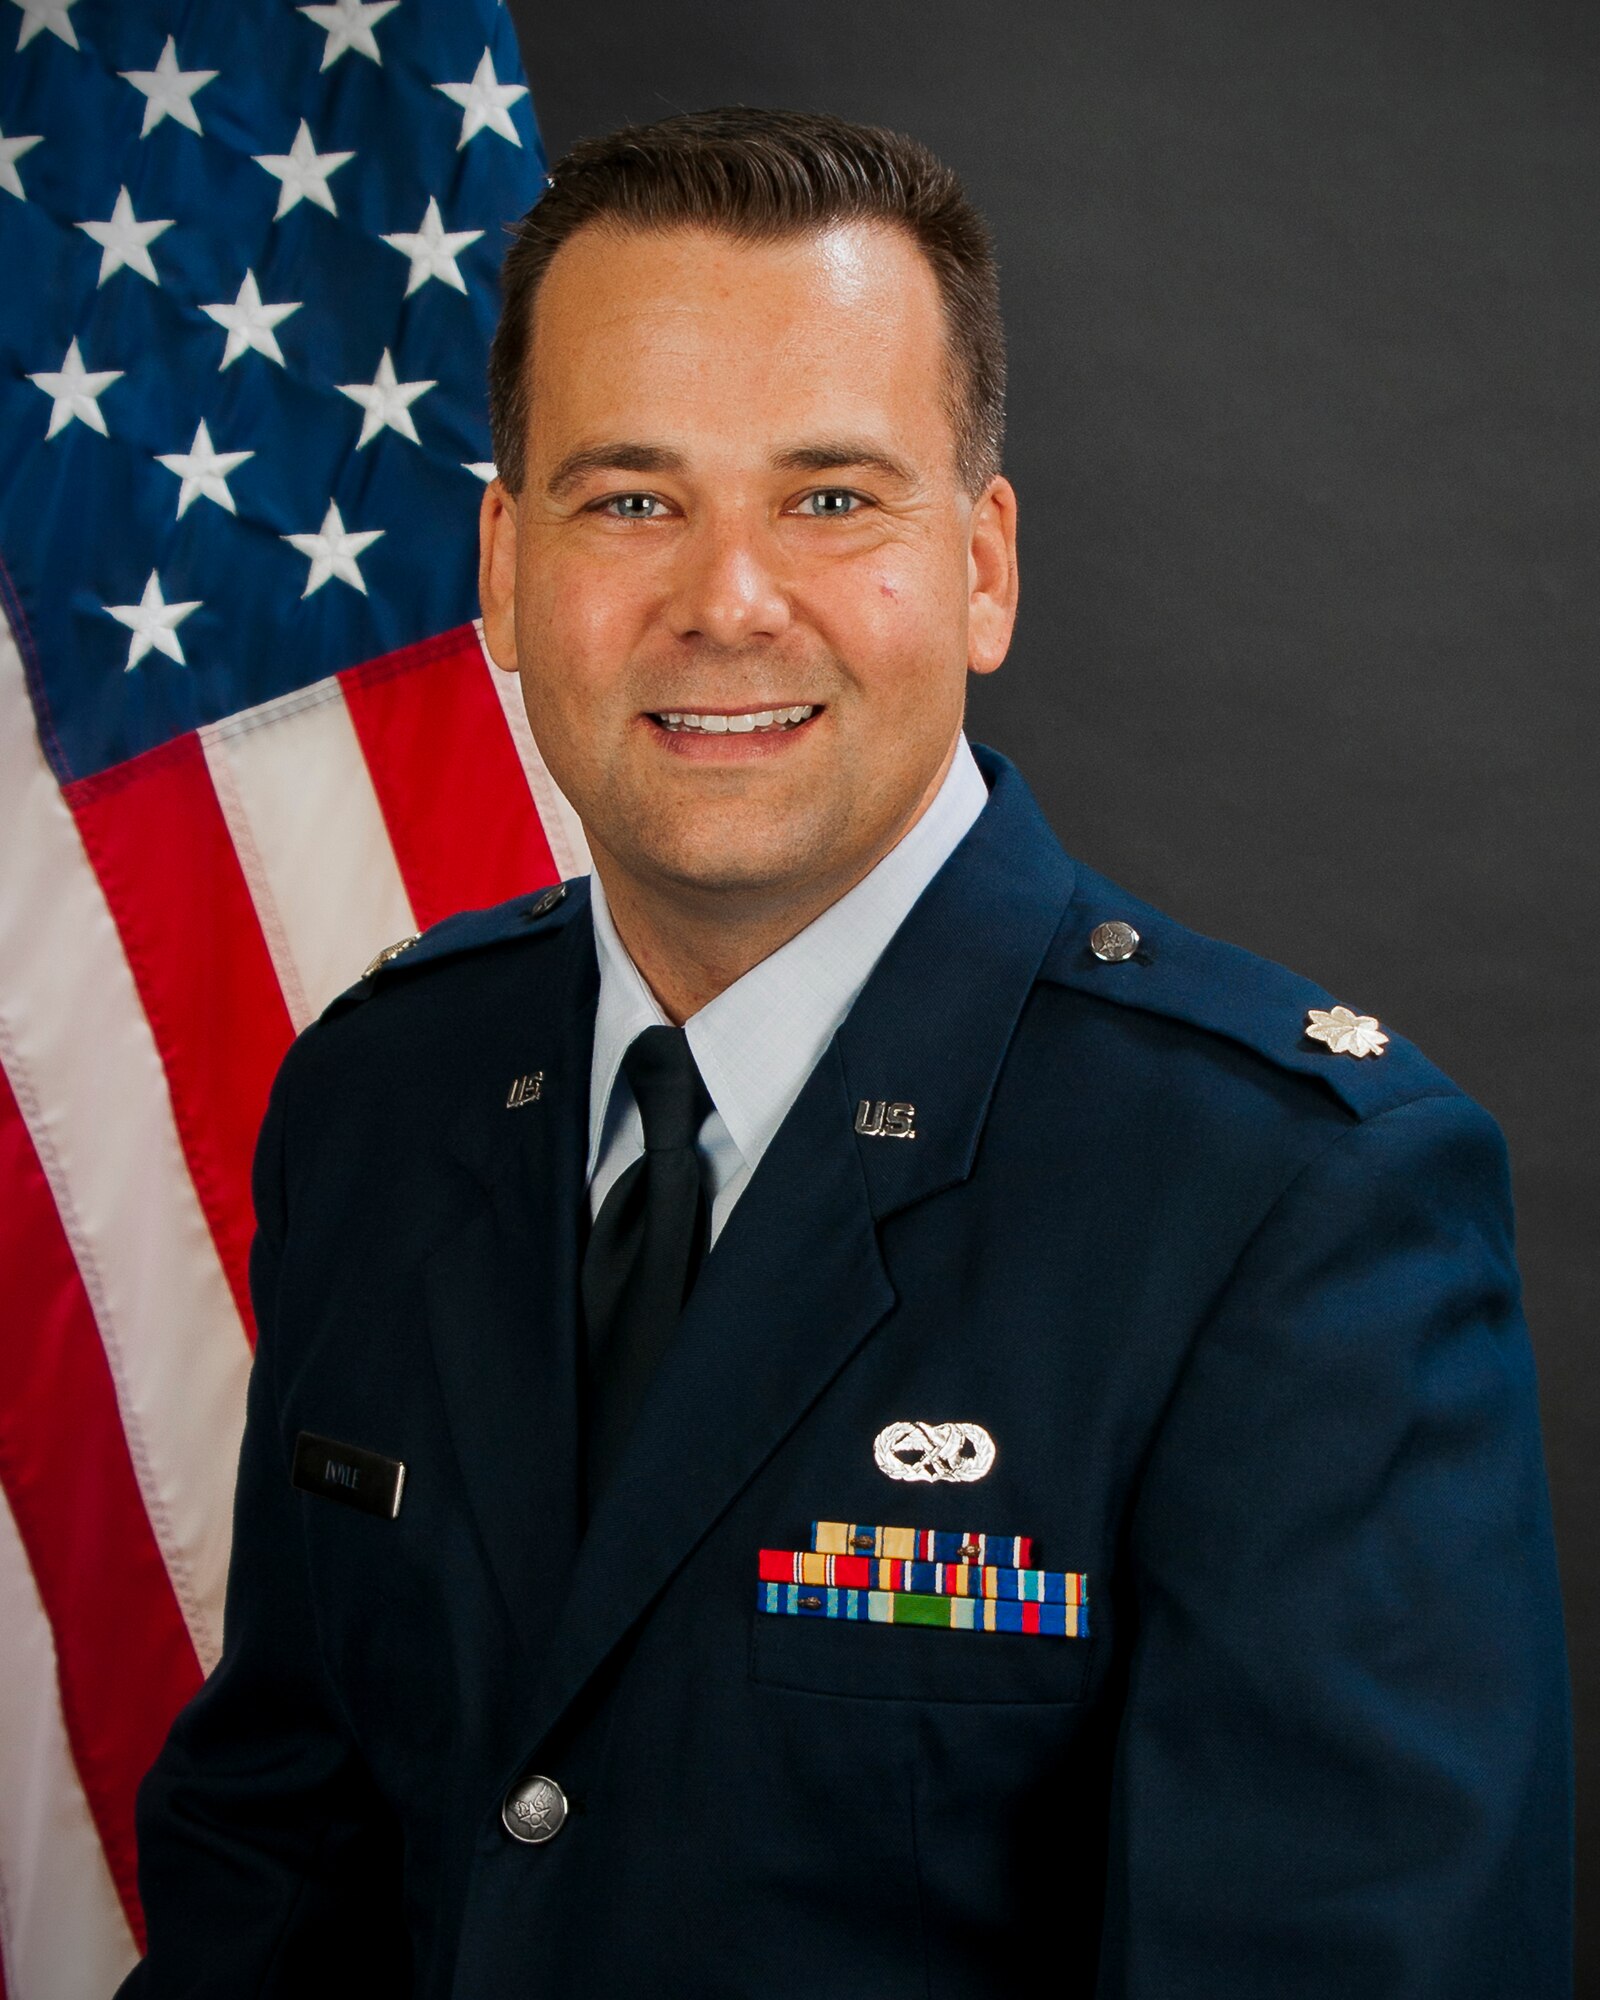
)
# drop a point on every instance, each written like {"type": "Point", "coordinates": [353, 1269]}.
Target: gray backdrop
{"type": "Point", "coordinates": [1303, 301]}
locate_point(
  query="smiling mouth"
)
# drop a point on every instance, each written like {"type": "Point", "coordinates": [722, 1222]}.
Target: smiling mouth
{"type": "Point", "coordinates": [750, 722]}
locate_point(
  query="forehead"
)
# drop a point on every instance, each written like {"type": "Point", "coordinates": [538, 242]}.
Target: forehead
{"type": "Point", "coordinates": [689, 332]}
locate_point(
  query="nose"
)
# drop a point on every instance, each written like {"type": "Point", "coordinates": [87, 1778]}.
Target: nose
{"type": "Point", "coordinates": [728, 589]}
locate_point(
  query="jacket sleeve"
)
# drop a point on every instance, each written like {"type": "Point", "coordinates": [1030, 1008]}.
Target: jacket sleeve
{"type": "Point", "coordinates": [267, 1864]}
{"type": "Point", "coordinates": [1344, 1765]}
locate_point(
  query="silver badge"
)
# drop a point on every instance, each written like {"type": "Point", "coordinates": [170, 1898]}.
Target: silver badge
{"type": "Point", "coordinates": [933, 1451]}
{"type": "Point", "coordinates": [1345, 1033]}
{"type": "Point", "coordinates": [879, 1119]}
{"type": "Point", "coordinates": [389, 953]}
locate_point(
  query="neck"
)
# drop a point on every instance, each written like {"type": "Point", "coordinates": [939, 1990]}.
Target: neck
{"type": "Point", "coordinates": [690, 943]}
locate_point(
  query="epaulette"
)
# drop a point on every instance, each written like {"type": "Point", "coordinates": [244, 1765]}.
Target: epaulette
{"type": "Point", "coordinates": [466, 931]}
{"type": "Point", "coordinates": [1122, 950]}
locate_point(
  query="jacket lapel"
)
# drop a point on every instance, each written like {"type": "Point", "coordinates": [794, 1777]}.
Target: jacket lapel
{"type": "Point", "coordinates": [796, 1282]}
{"type": "Point", "coordinates": [932, 1026]}
{"type": "Point", "coordinates": [501, 1302]}
{"type": "Point", "coordinates": [793, 1287]}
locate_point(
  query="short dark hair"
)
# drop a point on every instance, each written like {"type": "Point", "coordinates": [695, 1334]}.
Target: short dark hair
{"type": "Point", "coordinates": [759, 176]}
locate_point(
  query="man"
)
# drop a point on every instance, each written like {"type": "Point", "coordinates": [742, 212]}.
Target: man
{"type": "Point", "coordinates": [846, 1409]}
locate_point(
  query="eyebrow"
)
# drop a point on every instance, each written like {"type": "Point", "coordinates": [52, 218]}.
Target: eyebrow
{"type": "Point", "coordinates": [619, 456]}
{"type": "Point", "coordinates": [835, 454]}
{"type": "Point", "coordinates": [627, 455]}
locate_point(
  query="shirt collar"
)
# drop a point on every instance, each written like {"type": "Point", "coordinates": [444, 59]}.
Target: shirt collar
{"type": "Point", "coordinates": [760, 1039]}
{"type": "Point", "coordinates": [626, 1007]}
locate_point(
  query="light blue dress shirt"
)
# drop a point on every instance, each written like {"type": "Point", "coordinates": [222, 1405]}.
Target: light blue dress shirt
{"type": "Point", "coordinates": [759, 1040]}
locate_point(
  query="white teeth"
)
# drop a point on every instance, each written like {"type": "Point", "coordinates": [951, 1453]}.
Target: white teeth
{"type": "Point", "coordinates": [706, 724]}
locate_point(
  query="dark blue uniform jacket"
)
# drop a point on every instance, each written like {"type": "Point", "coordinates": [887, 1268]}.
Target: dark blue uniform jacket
{"type": "Point", "coordinates": [1241, 1316]}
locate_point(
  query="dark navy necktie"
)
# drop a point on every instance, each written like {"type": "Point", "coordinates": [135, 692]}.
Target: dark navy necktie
{"type": "Point", "coordinates": [646, 1245]}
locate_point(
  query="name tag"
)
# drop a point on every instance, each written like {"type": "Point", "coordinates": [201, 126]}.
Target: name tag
{"type": "Point", "coordinates": [344, 1472]}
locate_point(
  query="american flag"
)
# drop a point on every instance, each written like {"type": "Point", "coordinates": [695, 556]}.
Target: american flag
{"type": "Point", "coordinates": [248, 737]}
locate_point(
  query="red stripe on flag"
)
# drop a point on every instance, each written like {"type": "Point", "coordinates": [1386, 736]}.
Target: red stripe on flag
{"type": "Point", "coordinates": [158, 842]}
{"type": "Point", "coordinates": [123, 1655]}
{"type": "Point", "coordinates": [461, 819]}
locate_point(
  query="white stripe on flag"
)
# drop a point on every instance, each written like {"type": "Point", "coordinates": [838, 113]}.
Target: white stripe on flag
{"type": "Point", "coordinates": [91, 1088]}
{"type": "Point", "coordinates": [62, 1931]}
{"type": "Point", "coordinates": [285, 774]}
{"type": "Point", "coordinates": [562, 827]}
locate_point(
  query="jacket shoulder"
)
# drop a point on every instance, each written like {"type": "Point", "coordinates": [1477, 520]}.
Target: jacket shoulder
{"type": "Point", "coordinates": [541, 914]}
{"type": "Point", "coordinates": [1119, 949]}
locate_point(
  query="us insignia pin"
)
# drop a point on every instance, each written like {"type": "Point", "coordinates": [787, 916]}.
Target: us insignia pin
{"type": "Point", "coordinates": [877, 1118]}
{"type": "Point", "coordinates": [912, 1450]}
{"type": "Point", "coordinates": [525, 1090]}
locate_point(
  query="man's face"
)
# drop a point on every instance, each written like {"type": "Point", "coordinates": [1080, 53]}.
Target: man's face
{"type": "Point", "coordinates": [742, 584]}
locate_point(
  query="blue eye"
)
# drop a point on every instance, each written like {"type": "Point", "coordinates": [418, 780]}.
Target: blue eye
{"type": "Point", "coordinates": [830, 502]}
{"type": "Point", "coordinates": [631, 506]}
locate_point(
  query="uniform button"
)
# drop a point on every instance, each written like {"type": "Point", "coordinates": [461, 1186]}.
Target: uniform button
{"type": "Point", "coordinates": [536, 1811]}
{"type": "Point", "coordinates": [1113, 942]}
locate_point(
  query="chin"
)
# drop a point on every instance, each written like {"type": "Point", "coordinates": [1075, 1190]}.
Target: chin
{"type": "Point", "coordinates": [737, 853]}
{"type": "Point", "coordinates": [778, 861]}
{"type": "Point", "coordinates": [745, 875]}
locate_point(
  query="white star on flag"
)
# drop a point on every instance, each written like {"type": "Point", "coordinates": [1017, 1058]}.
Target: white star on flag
{"type": "Point", "coordinates": [333, 551]}
{"type": "Point", "coordinates": [168, 90]}
{"type": "Point", "coordinates": [249, 323]}
{"type": "Point", "coordinates": [348, 24]}
{"type": "Point", "coordinates": [433, 249]}
{"type": "Point", "coordinates": [125, 240]}
{"type": "Point", "coordinates": [204, 471]}
{"type": "Point", "coordinates": [38, 15]}
{"type": "Point", "coordinates": [153, 622]}
{"type": "Point", "coordinates": [485, 103]}
{"type": "Point", "coordinates": [12, 150]}
{"type": "Point", "coordinates": [303, 172]}
{"type": "Point", "coordinates": [76, 390]}
{"type": "Point", "coordinates": [387, 402]}
{"type": "Point", "coordinates": [481, 468]}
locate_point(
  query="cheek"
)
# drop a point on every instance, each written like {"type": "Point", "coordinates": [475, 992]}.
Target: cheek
{"type": "Point", "coordinates": [898, 621]}
{"type": "Point", "coordinates": [577, 628]}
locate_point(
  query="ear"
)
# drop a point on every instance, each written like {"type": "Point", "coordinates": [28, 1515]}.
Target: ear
{"type": "Point", "coordinates": [497, 574]}
{"type": "Point", "coordinates": [991, 576]}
